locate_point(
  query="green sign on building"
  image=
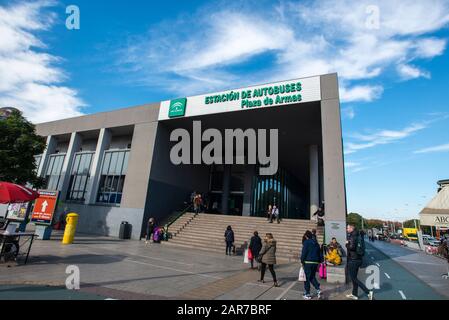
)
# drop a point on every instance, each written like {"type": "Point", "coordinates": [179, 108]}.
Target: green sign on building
{"type": "Point", "coordinates": [177, 108]}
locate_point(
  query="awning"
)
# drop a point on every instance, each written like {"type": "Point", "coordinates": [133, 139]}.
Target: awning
{"type": "Point", "coordinates": [436, 212]}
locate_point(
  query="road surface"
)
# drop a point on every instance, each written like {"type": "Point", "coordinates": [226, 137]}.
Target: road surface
{"type": "Point", "coordinates": [407, 274]}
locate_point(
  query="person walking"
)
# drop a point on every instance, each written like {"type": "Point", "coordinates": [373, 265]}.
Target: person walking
{"type": "Point", "coordinates": [267, 257]}
{"type": "Point", "coordinates": [229, 239]}
{"type": "Point", "coordinates": [269, 212]}
{"type": "Point", "coordinates": [356, 250]}
{"type": "Point", "coordinates": [150, 230]}
{"type": "Point", "coordinates": [311, 257]}
{"type": "Point", "coordinates": [197, 203]}
{"type": "Point", "coordinates": [255, 245]}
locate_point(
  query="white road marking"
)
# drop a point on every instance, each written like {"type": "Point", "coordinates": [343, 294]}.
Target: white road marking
{"type": "Point", "coordinates": [286, 290]}
{"type": "Point", "coordinates": [377, 264]}
{"type": "Point", "coordinates": [402, 295]}
{"type": "Point", "coordinates": [372, 258]}
{"type": "Point", "coordinates": [387, 275]}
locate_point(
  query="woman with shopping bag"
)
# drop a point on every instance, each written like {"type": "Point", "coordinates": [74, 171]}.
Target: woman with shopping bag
{"type": "Point", "coordinates": [311, 257]}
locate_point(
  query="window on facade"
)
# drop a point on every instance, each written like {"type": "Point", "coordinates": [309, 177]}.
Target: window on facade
{"type": "Point", "coordinates": [53, 172]}
{"type": "Point", "coordinates": [37, 161]}
{"type": "Point", "coordinates": [80, 176]}
{"type": "Point", "coordinates": [113, 173]}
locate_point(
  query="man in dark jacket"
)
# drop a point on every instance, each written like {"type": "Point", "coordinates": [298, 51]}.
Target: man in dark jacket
{"type": "Point", "coordinates": [255, 245]}
{"type": "Point", "coordinates": [311, 257]}
{"type": "Point", "coordinates": [356, 247]}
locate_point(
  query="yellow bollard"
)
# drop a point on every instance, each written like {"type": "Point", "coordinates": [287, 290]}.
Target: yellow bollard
{"type": "Point", "coordinates": [70, 228]}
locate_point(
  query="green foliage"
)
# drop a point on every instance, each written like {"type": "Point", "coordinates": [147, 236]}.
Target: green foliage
{"type": "Point", "coordinates": [355, 219]}
{"type": "Point", "coordinates": [411, 223]}
{"type": "Point", "coordinates": [19, 143]}
{"type": "Point", "coordinates": [374, 223]}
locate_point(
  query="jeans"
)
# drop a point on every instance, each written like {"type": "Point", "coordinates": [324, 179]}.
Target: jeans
{"type": "Point", "coordinates": [271, 268]}
{"type": "Point", "coordinates": [310, 270]}
{"type": "Point", "coordinates": [229, 247]}
{"type": "Point", "coordinates": [353, 270]}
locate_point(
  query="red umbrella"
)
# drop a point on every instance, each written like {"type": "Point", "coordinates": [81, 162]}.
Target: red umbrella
{"type": "Point", "coordinates": [13, 193]}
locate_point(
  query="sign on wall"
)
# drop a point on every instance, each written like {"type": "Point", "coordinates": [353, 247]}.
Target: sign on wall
{"type": "Point", "coordinates": [437, 220]}
{"type": "Point", "coordinates": [44, 207]}
{"type": "Point", "coordinates": [261, 96]}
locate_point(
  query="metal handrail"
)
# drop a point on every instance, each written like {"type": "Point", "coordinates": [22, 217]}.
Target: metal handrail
{"type": "Point", "coordinates": [183, 212]}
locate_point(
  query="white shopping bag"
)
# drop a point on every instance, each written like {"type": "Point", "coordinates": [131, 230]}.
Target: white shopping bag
{"type": "Point", "coordinates": [302, 275]}
{"type": "Point", "coordinates": [245, 259]}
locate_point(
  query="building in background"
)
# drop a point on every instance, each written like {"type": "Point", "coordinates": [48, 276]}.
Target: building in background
{"type": "Point", "coordinates": [115, 166]}
{"type": "Point", "coordinates": [436, 213]}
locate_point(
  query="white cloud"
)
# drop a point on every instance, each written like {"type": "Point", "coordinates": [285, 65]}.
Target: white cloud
{"type": "Point", "coordinates": [408, 72]}
{"type": "Point", "coordinates": [29, 78]}
{"type": "Point", "coordinates": [349, 164]}
{"type": "Point", "coordinates": [348, 113]}
{"type": "Point", "coordinates": [208, 48]}
{"type": "Point", "coordinates": [439, 148]}
{"type": "Point", "coordinates": [381, 137]}
{"type": "Point", "coordinates": [360, 93]}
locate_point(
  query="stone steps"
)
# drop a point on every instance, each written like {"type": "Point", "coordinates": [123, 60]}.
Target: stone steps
{"type": "Point", "coordinates": [206, 232]}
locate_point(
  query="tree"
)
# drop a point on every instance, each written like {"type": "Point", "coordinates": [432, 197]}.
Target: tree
{"type": "Point", "coordinates": [19, 144]}
{"type": "Point", "coordinates": [411, 223]}
{"type": "Point", "coordinates": [355, 219]}
{"type": "Point", "coordinates": [374, 223]}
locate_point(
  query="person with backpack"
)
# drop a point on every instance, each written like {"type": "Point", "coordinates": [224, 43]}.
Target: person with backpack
{"type": "Point", "coordinates": [229, 239]}
{"type": "Point", "coordinates": [356, 250]}
{"type": "Point", "coordinates": [311, 257]}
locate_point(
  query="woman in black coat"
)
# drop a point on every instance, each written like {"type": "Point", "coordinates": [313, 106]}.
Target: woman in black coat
{"type": "Point", "coordinates": [255, 245]}
{"type": "Point", "coordinates": [229, 238]}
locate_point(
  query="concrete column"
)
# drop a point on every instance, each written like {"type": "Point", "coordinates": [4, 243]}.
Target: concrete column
{"type": "Point", "coordinates": [314, 188]}
{"type": "Point", "coordinates": [137, 178]}
{"type": "Point", "coordinates": [50, 149]}
{"type": "Point", "coordinates": [104, 140]}
{"type": "Point", "coordinates": [226, 188]}
{"type": "Point", "coordinates": [247, 197]}
{"type": "Point", "coordinates": [333, 168]}
{"type": "Point", "coordinates": [74, 146]}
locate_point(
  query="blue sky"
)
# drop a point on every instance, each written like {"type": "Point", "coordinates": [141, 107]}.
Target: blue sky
{"type": "Point", "coordinates": [391, 57]}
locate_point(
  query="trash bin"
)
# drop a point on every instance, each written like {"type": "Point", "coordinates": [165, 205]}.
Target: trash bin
{"type": "Point", "coordinates": [125, 230]}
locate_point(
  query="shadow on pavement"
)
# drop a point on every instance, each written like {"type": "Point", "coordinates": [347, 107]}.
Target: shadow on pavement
{"type": "Point", "coordinates": [76, 259]}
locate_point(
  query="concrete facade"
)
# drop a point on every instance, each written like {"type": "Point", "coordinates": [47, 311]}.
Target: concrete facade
{"type": "Point", "coordinates": [154, 187]}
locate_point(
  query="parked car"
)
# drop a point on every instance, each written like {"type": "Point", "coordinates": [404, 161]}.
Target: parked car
{"type": "Point", "coordinates": [430, 241]}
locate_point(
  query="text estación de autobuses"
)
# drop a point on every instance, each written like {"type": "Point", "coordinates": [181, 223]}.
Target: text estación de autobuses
{"type": "Point", "coordinates": [247, 94]}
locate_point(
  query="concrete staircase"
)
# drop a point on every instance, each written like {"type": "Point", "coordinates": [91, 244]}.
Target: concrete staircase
{"type": "Point", "coordinates": [206, 232]}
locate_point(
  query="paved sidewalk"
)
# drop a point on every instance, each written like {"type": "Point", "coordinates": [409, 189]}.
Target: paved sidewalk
{"type": "Point", "coordinates": [112, 268]}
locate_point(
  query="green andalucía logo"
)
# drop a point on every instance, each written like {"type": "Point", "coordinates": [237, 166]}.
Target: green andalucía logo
{"type": "Point", "coordinates": [177, 108]}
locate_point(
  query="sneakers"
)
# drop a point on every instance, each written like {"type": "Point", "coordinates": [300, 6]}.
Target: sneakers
{"type": "Point", "coordinates": [307, 297]}
{"type": "Point", "coordinates": [371, 295]}
{"type": "Point", "coordinates": [351, 296]}
{"type": "Point", "coordinates": [318, 294]}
